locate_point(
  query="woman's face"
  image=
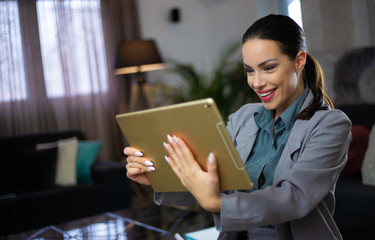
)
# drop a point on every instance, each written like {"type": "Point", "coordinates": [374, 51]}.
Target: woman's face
{"type": "Point", "coordinates": [272, 75]}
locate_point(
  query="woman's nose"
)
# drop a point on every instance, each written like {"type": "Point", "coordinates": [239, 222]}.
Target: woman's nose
{"type": "Point", "coordinates": [256, 81]}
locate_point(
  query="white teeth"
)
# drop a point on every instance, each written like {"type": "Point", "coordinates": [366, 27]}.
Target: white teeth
{"type": "Point", "coordinates": [265, 94]}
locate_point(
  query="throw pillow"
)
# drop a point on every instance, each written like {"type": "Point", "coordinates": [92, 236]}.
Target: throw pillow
{"type": "Point", "coordinates": [66, 160]}
{"type": "Point", "coordinates": [86, 156]}
{"type": "Point", "coordinates": [37, 170]}
{"type": "Point", "coordinates": [368, 166]}
{"type": "Point", "coordinates": [357, 150]}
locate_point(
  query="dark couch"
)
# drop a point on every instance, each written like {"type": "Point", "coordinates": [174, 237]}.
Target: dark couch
{"type": "Point", "coordinates": [355, 202]}
{"type": "Point", "coordinates": [24, 206]}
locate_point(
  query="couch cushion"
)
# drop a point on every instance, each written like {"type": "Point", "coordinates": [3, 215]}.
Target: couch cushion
{"type": "Point", "coordinates": [357, 150]}
{"type": "Point", "coordinates": [368, 166]}
{"type": "Point", "coordinates": [66, 160]}
{"type": "Point", "coordinates": [13, 149]}
{"type": "Point", "coordinates": [355, 209]}
{"type": "Point", "coordinates": [86, 156]}
{"type": "Point", "coordinates": [37, 170]}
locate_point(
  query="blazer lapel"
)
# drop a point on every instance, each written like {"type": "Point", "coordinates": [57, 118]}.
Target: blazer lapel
{"type": "Point", "coordinates": [247, 138]}
{"type": "Point", "coordinates": [294, 141]}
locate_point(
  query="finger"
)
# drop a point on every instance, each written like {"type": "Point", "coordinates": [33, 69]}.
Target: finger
{"type": "Point", "coordinates": [175, 168]}
{"type": "Point", "coordinates": [172, 164]}
{"type": "Point", "coordinates": [140, 162]}
{"type": "Point", "coordinates": [211, 164]}
{"type": "Point", "coordinates": [172, 148]}
{"type": "Point", "coordinates": [184, 154]}
{"type": "Point", "coordinates": [212, 170]}
{"type": "Point", "coordinates": [178, 147]}
{"type": "Point", "coordinates": [183, 150]}
{"type": "Point", "coordinates": [175, 149]}
{"type": "Point", "coordinates": [134, 173]}
{"type": "Point", "coordinates": [129, 151]}
{"type": "Point", "coordinates": [142, 167]}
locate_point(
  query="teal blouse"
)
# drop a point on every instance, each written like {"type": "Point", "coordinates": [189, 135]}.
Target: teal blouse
{"type": "Point", "coordinates": [268, 146]}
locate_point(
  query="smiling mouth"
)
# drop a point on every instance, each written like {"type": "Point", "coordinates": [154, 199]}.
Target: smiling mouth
{"type": "Point", "coordinates": [265, 94]}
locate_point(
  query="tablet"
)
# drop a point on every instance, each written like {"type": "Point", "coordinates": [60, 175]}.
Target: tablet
{"type": "Point", "coordinates": [201, 126]}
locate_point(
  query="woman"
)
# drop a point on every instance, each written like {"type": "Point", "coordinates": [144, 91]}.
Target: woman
{"type": "Point", "coordinates": [293, 145]}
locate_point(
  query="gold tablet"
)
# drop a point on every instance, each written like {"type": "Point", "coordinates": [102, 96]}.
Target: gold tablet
{"type": "Point", "coordinates": [201, 126]}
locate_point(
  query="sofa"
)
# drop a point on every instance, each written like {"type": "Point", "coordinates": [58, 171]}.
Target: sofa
{"type": "Point", "coordinates": [355, 201]}
{"type": "Point", "coordinates": [30, 197]}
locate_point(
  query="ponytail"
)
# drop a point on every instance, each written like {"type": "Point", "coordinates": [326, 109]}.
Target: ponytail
{"type": "Point", "coordinates": [313, 78]}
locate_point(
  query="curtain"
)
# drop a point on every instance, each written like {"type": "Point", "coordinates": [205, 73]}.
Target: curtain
{"type": "Point", "coordinates": [69, 48]}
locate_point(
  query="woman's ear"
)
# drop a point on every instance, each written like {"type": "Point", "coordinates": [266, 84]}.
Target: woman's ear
{"type": "Point", "coordinates": [300, 61]}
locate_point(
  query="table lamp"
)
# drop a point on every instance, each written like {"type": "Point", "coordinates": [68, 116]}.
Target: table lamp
{"type": "Point", "coordinates": [136, 57]}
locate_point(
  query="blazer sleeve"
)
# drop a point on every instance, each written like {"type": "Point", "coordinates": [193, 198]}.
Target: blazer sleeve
{"type": "Point", "coordinates": [306, 174]}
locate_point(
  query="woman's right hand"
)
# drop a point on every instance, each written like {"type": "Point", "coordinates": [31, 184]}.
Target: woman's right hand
{"type": "Point", "coordinates": [137, 165]}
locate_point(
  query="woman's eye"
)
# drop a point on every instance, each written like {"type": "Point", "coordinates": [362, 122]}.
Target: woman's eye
{"type": "Point", "coordinates": [249, 71]}
{"type": "Point", "coordinates": [269, 68]}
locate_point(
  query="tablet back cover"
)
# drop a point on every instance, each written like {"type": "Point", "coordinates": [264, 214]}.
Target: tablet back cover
{"type": "Point", "coordinates": [200, 125]}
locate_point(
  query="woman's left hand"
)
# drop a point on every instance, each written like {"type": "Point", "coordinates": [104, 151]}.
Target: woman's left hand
{"type": "Point", "coordinates": [203, 185]}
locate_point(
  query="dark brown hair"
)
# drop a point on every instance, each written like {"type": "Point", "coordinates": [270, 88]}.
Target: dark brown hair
{"type": "Point", "coordinates": [291, 39]}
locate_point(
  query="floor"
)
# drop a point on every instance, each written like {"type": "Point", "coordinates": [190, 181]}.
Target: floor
{"type": "Point", "coordinates": [144, 221]}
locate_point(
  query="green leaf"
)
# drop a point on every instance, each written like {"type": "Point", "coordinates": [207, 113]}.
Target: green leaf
{"type": "Point", "coordinates": [227, 84]}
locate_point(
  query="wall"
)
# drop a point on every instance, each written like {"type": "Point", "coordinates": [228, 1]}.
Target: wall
{"type": "Point", "coordinates": [331, 27]}
{"type": "Point", "coordinates": [206, 27]}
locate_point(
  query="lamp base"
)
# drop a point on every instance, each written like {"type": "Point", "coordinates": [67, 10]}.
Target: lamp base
{"type": "Point", "coordinates": [141, 96]}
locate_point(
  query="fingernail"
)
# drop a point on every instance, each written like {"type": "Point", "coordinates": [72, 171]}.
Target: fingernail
{"type": "Point", "coordinates": [166, 159]}
{"type": "Point", "coordinates": [211, 158]}
{"type": "Point", "coordinates": [169, 138]}
{"type": "Point", "coordinates": [149, 163]}
{"type": "Point", "coordinates": [175, 138]}
{"type": "Point", "coordinates": [138, 154]}
{"type": "Point", "coordinates": [151, 168]}
{"type": "Point", "coordinates": [165, 146]}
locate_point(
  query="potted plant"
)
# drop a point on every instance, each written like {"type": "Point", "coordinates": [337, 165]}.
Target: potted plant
{"type": "Point", "coordinates": [227, 84]}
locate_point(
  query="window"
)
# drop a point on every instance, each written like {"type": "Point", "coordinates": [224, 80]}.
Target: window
{"type": "Point", "coordinates": [72, 49]}
{"type": "Point", "coordinates": [292, 8]}
{"type": "Point", "coordinates": [13, 85]}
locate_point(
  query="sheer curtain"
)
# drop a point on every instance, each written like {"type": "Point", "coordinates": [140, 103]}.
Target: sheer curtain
{"type": "Point", "coordinates": [23, 105]}
{"type": "Point", "coordinates": [69, 48]}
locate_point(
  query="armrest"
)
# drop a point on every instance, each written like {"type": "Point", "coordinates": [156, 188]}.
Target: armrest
{"type": "Point", "coordinates": [108, 172]}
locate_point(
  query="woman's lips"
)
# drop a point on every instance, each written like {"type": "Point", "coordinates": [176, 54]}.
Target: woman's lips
{"type": "Point", "coordinates": [267, 95]}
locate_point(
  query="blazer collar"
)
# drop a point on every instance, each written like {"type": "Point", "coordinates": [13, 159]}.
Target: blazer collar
{"type": "Point", "coordinates": [247, 136]}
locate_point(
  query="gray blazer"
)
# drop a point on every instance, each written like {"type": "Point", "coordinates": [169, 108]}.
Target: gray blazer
{"type": "Point", "coordinates": [301, 201]}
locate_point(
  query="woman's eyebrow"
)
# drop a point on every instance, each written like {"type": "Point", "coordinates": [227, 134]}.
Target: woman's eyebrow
{"type": "Point", "coordinates": [246, 66]}
{"type": "Point", "coordinates": [265, 62]}
{"type": "Point", "coordinates": [262, 63]}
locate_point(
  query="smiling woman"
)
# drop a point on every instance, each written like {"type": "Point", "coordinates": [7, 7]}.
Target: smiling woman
{"type": "Point", "coordinates": [293, 145]}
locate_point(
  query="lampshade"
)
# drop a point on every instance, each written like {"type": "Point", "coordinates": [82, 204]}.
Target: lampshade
{"type": "Point", "coordinates": [137, 56]}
